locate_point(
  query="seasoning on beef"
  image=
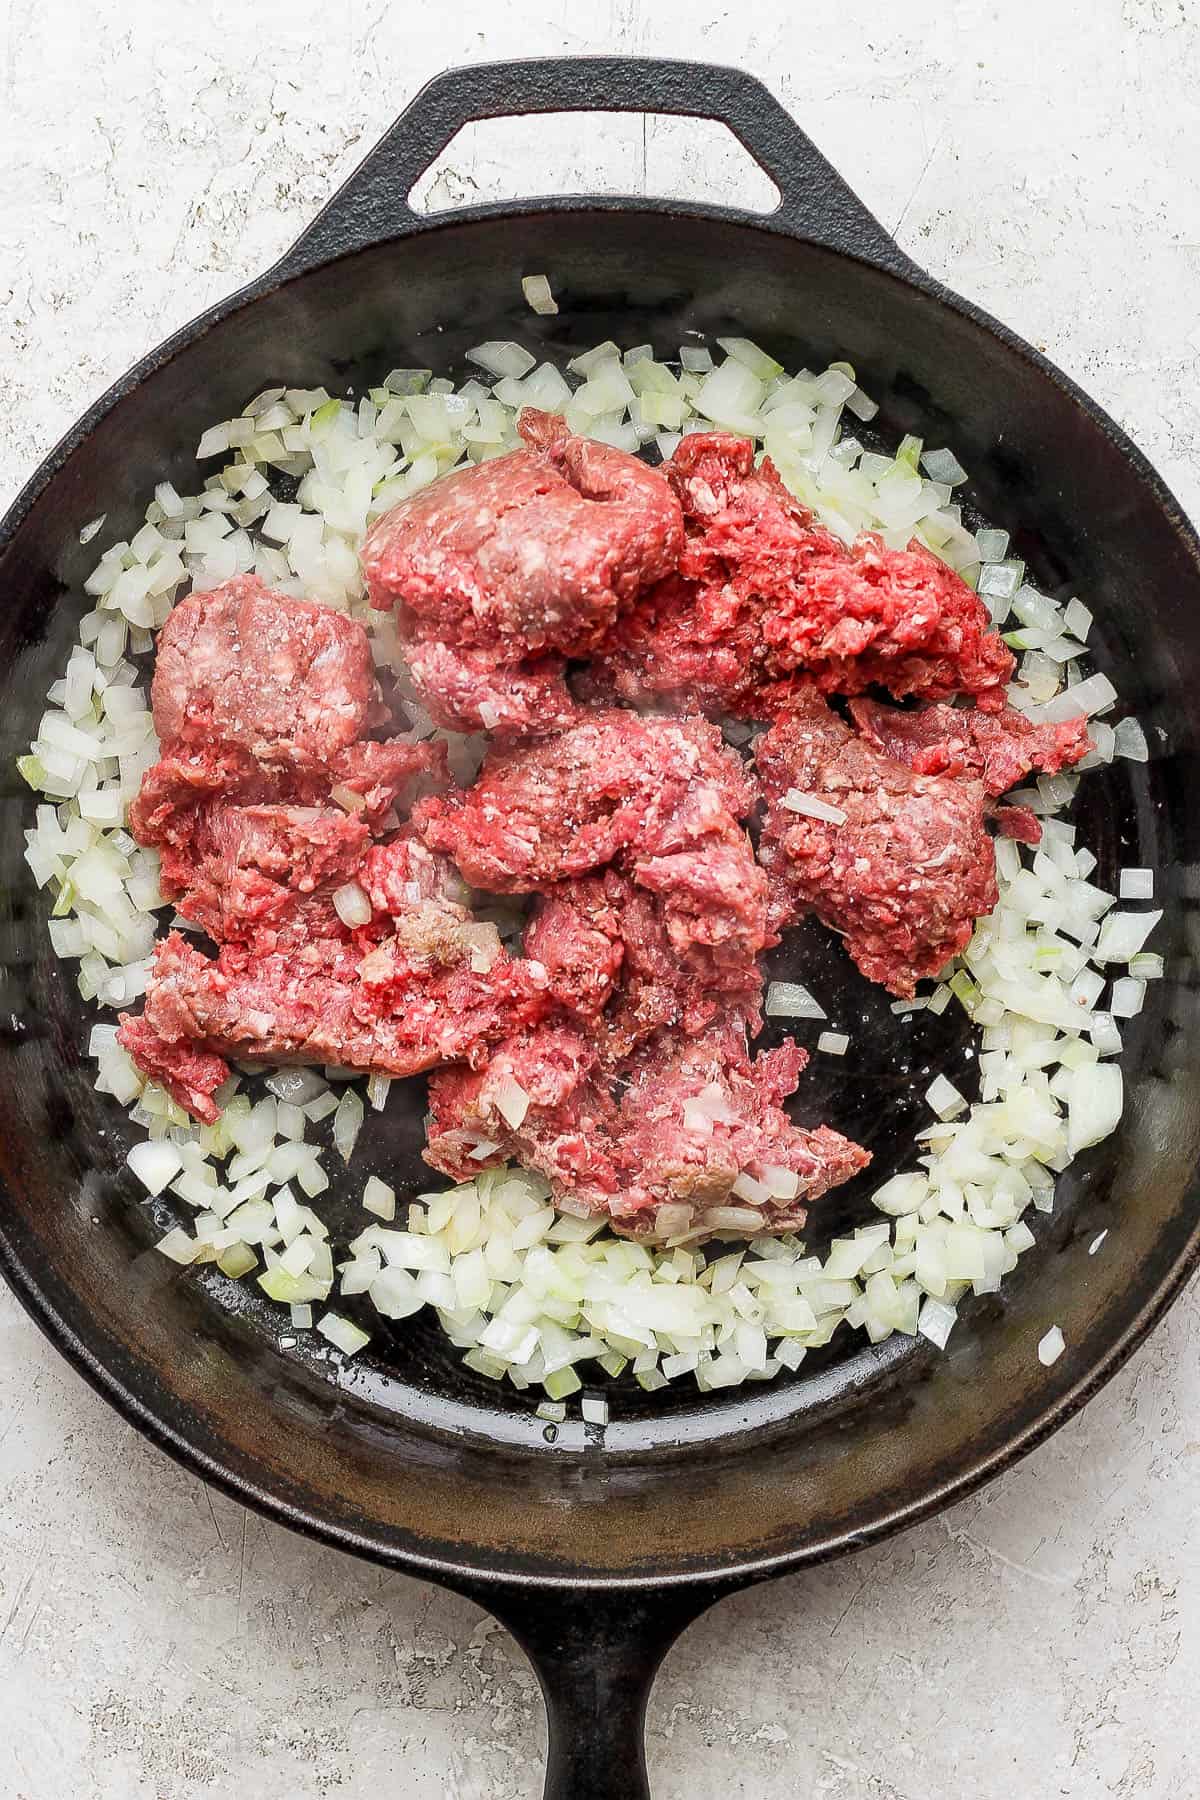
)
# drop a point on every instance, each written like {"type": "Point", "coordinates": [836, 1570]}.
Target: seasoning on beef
{"type": "Point", "coordinates": [398, 1006]}
{"type": "Point", "coordinates": [614, 964]}
{"type": "Point", "coordinates": [658, 1150]}
{"type": "Point", "coordinates": [288, 681]}
{"type": "Point", "coordinates": [499, 571]}
{"type": "Point", "coordinates": [474, 689]}
{"type": "Point", "coordinates": [905, 868]}
{"type": "Point", "coordinates": [369, 779]}
{"type": "Point", "coordinates": [763, 592]}
{"type": "Point", "coordinates": [613, 784]}
{"type": "Point", "coordinates": [248, 869]}
{"type": "Point", "coordinates": [997, 748]}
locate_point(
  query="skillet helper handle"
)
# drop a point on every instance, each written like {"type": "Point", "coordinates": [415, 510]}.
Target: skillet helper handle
{"type": "Point", "coordinates": [596, 1654]}
{"type": "Point", "coordinates": [373, 204]}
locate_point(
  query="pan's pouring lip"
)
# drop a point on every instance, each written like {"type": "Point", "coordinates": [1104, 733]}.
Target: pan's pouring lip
{"type": "Point", "coordinates": [463, 1563]}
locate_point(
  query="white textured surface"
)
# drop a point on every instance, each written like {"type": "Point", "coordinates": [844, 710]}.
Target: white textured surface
{"type": "Point", "coordinates": [1041, 1640]}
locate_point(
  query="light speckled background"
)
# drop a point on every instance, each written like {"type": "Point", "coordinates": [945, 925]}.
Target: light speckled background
{"type": "Point", "coordinates": [156, 1642]}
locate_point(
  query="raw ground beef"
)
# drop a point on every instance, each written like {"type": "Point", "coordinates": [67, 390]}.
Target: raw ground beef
{"type": "Point", "coordinates": [654, 910]}
{"type": "Point", "coordinates": [762, 592]}
{"type": "Point", "coordinates": [611, 785]}
{"type": "Point", "coordinates": [191, 1076]}
{"type": "Point", "coordinates": [686, 1119]}
{"type": "Point", "coordinates": [611, 966]}
{"type": "Point", "coordinates": [290, 683]}
{"type": "Point", "coordinates": [997, 748]}
{"type": "Point", "coordinates": [370, 780]}
{"type": "Point", "coordinates": [907, 871]}
{"type": "Point", "coordinates": [409, 1003]}
{"type": "Point", "coordinates": [257, 831]}
{"type": "Point", "coordinates": [499, 571]}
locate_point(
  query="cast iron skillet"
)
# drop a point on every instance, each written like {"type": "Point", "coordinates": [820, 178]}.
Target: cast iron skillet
{"type": "Point", "coordinates": [597, 1548]}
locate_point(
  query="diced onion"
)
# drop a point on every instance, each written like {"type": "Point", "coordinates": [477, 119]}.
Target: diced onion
{"type": "Point", "coordinates": [347, 1123]}
{"type": "Point", "coordinates": [155, 1162]}
{"type": "Point", "coordinates": [813, 807]}
{"type": "Point", "coordinates": [791, 1000]}
{"type": "Point", "coordinates": [536, 290]}
{"type": "Point", "coordinates": [352, 905]}
{"type": "Point", "coordinates": [342, 1333]}
{"type": "Point", "coordinates": [1051, 1347]}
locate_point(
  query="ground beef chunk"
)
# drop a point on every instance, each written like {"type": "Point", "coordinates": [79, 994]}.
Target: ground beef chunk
{"type": "Point", "coordinates": [288, 681]}
{"type": "Point", "coordinates": [675, 1131]}
{"type": "Point", "coordinates": [379, 775]}
{"type": "Point", "coordinates": [191, 1076]}
{"type": "Point", "coordinates": [567, 1133]}
{"type": "Point", "coordinates": [479, 689]}
{"type": "Point", "coordinates": [403, 1005]}
{"type": "Point", "coordinates": [258, 829]}
{"type": "Point", "coordinates": [499, 571]}
{"type": "Point", "coordinates": [612, 964]}
{"type": "Point", "coordinates": [906, 872]}
{"type": "Point", "coordinates": [611, 785]}
{"type": "Point", "coordinates": [697, 1114]}
{"type": "Point", "coordinates": [249, 865]}
{"type": "Point", "coordinates": [997, 748]}
{"type": "Point", "coordinates": [762, 592]}
{"type": "Point", "coordinates": [655, 910]}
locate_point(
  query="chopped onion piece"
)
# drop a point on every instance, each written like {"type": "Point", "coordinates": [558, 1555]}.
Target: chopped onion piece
{"type": "Point", "coordinates": [1129, 741]}
{"type": "Point", "coordinates": [1123, 934]}
{"type": "Point", "coordinates": [379, 1198]}
{"type": "Point", "coordinates": [347, 1123]}
{"type": "Point", "coordinates": [944, 1098]}
{"type": "Point", "coordinates": [502, 357]}
{"type": "Point", "coordinates": [352, 905]}
{"type": "Point", "coordinates": [342, 1333]}
{"type": "Point", "coordinates": [835, 1043]}
{"type": "Point", "coordinates": [1096, 1099]}
{"type": "Point", "coordinates": [511, 1101]}
{"type": "Point", "coordinates": [747, 1188]}
{"type": "Point", "coordinates": [791, 1000]}
{"type": "Point", "coordinates": [812, 807]}
{"type": "Point", "coordinates": [536, 290]}
{"type": "Point", "coordinates": [1051, 1346]}
{"type": "Point", "coordinates": [1136, 884]}
{"type": "Point", "coordinates": [156, 1163]}
{"type": "Point", "coordinates": [937, 1320]}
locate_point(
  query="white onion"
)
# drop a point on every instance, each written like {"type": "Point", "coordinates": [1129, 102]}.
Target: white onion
{"type": "Point", "coordinates": [747, 1188]}
{"type": "Point", "coordinates": [502, 357]}
{"type": "Point", "coordinates": [347, 1123]}
{"type": "Point", "coordinates": [342, 1333]}
{"type": "Point", "coordinates": [352, 905]}
{"type": "Point", "coordinates": [1123, 934]}
{"type": "Point", "coordinates": [834, 1043]}
{"type": "Point", "coordinates": [511, 1101]}
{"type": "Point", "coordinates": [813, 807]}
{"type": "Point", "coordinates": [1094, 1105]}
{"type": "Point", "coordinates": [155, 1164]}
{"type": "Point", "coordinates": [1051, 1347]}
{"type": "Point", "coordinates": [791, 1000]}
{"type": "Point", "coordinates": [1136, 884]}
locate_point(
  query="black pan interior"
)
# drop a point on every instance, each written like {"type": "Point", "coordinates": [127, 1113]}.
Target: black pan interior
{"type": "Point", "coordinates": [402, 1452]}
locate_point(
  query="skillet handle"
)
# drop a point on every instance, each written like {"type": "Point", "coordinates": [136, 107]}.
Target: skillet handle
{"type": "Point", "coordinates": [596, 1653]}
{"type": "Point", "coordinates": [816, 204]}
